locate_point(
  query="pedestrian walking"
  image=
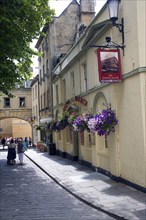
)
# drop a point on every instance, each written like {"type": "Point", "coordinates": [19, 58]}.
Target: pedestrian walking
{"type": "Point", "coordinates": [11, 152]}
{"type": "Point", "coordinates": [29, 141]}
{"type": "Point", "coordinates": [3, 142]}
{"type": "Point", "coordinates": [20, 151]}
{"type": "Point", "coordinates": [25, 143]}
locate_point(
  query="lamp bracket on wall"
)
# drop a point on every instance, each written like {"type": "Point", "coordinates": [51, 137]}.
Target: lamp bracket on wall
{"type": "Point", "coordinates": [120, 27]}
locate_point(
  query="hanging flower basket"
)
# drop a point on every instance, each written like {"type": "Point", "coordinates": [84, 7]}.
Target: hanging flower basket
{"type": "Point", "coordinates": [72, 117]}
{"type": "Point", "coordinates": [40, 128]}
{"type": "Point", "coordinates": [53, 127]}
{"type": "Point", "coordinates": [62, 124]}
{"type": "Point", "coordinates": [103, 123]}
{"type": "Point", "coordinates": [80, 123]}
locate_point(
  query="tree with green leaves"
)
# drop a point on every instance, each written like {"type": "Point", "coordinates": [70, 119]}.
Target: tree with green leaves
{"type": "Point", "coordinates": [20, 22]}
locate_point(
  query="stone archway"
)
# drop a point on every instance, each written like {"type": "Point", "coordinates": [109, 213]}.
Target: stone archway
{"type": "Point", "coordinates": [74, 103]}
{"type": "Point", "coordinates": [24, 114]}
{"type": "Point", "coordinates": [15, 127]}
{"type": "Point", "coordinates": [13, 108]}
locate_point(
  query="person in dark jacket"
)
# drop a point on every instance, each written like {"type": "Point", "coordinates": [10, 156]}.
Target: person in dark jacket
{"type": "Point", "coordinates": [3, 142]}
{"type": "Point", "coordinates": [11, 153]}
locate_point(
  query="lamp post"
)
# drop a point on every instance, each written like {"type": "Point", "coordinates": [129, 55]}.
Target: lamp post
{"type": "Point", "coordinates": [113, 7]}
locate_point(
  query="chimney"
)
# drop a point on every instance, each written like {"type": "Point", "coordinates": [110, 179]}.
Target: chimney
{"type": "Point", "coordinates": [87, 11]}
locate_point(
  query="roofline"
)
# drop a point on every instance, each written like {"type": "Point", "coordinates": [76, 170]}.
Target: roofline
{"type": "Point", "coordinates": [44, 30]}
{"type": "Point", "coordinates": [83, 49]}
{"type": "Point", "coordinates": [34, 80]}
{"type": "Point", "coordinates": [47, 25]}
{"type": "Point", "coordinates": [68, 6]}
{"type": "Point", "coordinates": [86, 30]}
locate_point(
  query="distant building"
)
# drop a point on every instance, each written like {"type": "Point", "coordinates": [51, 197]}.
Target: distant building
{"type": "Point", "coordinates": [35, 109]}
{"type": "Point", "coordinates": [16, 112]}
{"type": "Point", "coordinates": [60, 36]}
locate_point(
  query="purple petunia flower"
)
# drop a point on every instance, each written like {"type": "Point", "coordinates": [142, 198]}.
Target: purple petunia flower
{"type": "Point", "coordinates": [80, 123]}
{"type": "Point", "coordinates": [103, 123]}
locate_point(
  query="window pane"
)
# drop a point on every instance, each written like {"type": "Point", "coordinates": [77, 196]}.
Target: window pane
{"type": "Point", "coordinates": [70, 134]}
{"type": "Point", "coordinates": [73, 84]}
{"type": "Point", "coordinates": [82, 137]}
{"type": "Point", "coordinates": [6, 102]}
{"type": "Point", "coordinates": [85, 76]}
{"type": "Point", "coordinates": [47, 67]}
{"type": "Point", "coordinates": [44, 100]}
{"type": "Point", "coordinates": [57, 95]}
{"type": "Point", "coordinates": [21, 101]}
{"type": "Point", "coordinates": [64, 90]}
{"type": "Point", "coordinates": [67, 134]}
{"type": "Point", "coordinates": [43, 70]}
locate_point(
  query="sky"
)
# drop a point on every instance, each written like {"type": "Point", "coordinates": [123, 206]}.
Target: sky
{"type": "Point", "coordinates": [59, 6]}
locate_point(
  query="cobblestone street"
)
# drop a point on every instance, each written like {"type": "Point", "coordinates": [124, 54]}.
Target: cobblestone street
{"type": "Point", "coordinates": [27, 193]}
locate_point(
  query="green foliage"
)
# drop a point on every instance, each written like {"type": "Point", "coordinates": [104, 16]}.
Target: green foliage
{"type": "Point", "coordinates": [20, 22]}
{"type": "Point", "coordinates": [40, 128]}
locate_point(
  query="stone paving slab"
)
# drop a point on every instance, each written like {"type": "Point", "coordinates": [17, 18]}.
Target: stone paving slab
{"type": "Point", "coordinates": [93, 187]}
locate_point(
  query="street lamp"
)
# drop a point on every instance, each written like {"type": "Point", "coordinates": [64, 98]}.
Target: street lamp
{"type": "Point", "coordinates": [113, 7]}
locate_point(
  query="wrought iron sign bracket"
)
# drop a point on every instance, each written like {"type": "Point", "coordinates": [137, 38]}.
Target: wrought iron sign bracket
{"type": "Point", "coordinates": [110, 44]}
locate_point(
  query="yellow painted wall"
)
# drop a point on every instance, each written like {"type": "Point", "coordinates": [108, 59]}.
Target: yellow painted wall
{"type": "Point", "coordinates": [125, 154]}
{"type": "Point", "coordinates": [21, 128]}
{"type": "Point", "coordinates": [15, 128]}
{"type": "Point", "coordinates": [6, 125]}
{"type": "Point", "coordinates": [132, 130]}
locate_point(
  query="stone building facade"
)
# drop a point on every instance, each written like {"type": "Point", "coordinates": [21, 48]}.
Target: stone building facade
{"type": "Point", "coordinates": [60, 35]}
{"type": "Point", "coordinates": [35, 109]}
{"type": "Point", "coordinates": [122, 154]}
{"type": "Point", "coordinates": [16, 113]}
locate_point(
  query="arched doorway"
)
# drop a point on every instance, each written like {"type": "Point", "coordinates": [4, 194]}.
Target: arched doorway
{"type": "Point", "coordinates": [107, 148]}
{"type": "Point", "coordinates": [73, 107]}
{"type": "Point", "coordinates": [102, 150]}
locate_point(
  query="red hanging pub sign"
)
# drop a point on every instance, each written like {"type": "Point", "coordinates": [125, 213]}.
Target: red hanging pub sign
{"type": "Point", "coordinates": [109, 65]}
